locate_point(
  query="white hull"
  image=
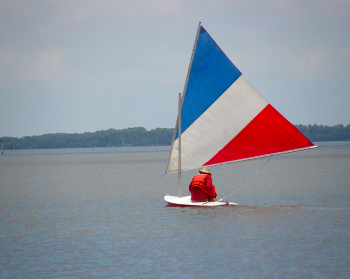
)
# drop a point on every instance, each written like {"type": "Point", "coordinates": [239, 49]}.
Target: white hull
{"type": "Point", "coordinates": [186, 201]}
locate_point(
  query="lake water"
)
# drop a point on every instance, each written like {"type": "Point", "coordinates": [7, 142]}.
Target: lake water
{"type": "Point", "coordinates": [100, 213]}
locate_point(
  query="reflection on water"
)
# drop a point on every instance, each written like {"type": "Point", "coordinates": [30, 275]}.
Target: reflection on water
{"type": "Point", "coordinates": [100, 213]}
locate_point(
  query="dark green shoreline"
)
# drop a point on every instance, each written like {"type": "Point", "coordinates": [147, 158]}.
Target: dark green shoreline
{"type": "Point", "coordinates": [139, 136]}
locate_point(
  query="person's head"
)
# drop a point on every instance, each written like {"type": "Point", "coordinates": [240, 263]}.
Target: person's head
{"type": "Point", "coordinates": [205, 170]}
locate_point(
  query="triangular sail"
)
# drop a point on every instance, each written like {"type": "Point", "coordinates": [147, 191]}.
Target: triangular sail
{"type": "Point", "coordinates": [224, 119]}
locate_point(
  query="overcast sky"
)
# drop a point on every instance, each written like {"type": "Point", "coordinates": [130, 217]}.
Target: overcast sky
{"type": "Point", "coordinates": [71, 66]}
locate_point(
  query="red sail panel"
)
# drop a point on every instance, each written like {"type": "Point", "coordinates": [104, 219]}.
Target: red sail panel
{"type": "Point", "coordinates": [268, 133]}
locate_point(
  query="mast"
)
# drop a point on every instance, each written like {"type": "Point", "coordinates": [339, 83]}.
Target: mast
{"type": "Point", "coordinates": [183, 94]}
{"type": "Point", "coordinates": [193, 51]}
{"type": "Point", "coordinates": [179, 131]}
{"type": "Point", "coordinates": [180, 107]}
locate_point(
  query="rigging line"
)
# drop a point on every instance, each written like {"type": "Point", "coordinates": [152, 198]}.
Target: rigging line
{"type": "Point", "coordinates": [248, 180]}
{"type": "Point", "coordinates": [193, 66]}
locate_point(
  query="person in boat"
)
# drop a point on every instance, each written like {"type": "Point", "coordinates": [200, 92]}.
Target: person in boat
{"type": "Point", "coordinates": [202, 187]}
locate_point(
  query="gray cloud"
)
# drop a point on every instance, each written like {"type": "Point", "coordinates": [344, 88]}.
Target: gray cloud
{"type": "Point", "coordinates": [75, 66]}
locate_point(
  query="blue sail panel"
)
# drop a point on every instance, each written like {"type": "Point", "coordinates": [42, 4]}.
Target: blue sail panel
{"type": "Point", "coordinates": [210, 76]}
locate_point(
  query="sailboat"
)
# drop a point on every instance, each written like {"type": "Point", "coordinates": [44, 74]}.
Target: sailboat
{"type": "Point", "coordinates": [223, 119]}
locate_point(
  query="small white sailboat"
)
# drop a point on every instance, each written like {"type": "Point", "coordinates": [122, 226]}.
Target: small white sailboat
{"type": "Point", "coordinates": [223, 119]}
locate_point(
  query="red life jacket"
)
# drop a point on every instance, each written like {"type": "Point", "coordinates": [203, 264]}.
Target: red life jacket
{"type": "Point", "coordinates": [200, 182]}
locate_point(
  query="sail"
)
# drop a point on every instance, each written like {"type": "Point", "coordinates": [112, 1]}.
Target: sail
{"type": "Point", "coordinates": [223, 118]}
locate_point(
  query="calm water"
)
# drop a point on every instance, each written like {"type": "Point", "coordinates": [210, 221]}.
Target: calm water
{"type": "Point", "coordinates": [100, 213]}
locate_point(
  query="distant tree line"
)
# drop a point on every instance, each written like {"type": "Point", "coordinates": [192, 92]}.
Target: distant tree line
{"type": "Point", "coordinates": [325, 133]}
{"type": "Point", "coordinates": [139, 136]}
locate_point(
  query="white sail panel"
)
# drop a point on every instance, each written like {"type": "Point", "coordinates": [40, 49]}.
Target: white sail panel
{"type": "Point", "coordinates": [218, 125]}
